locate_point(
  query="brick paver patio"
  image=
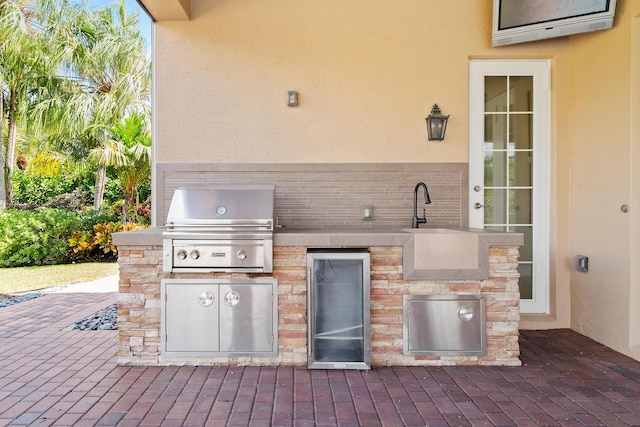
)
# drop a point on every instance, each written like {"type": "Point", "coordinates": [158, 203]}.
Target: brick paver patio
{"type": "Point", "coordinates": [51, 375]}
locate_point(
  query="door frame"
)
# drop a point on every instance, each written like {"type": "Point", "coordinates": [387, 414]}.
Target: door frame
{"type": "Point", "coordinates": [541, 168]}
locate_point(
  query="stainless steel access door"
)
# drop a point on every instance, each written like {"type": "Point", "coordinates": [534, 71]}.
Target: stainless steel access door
{"type": "Point", "coordinates": [219, 317]}
{"type": "Point", "coordinates": [246, 318]}
{"type": "Point", "coordinates": [444, 325]}
{"type": "Point", "coordinates": [191, 317]}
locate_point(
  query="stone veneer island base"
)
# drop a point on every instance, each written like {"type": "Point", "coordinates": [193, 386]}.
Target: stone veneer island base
{"type": "Point", "coordinates": [139, 306]}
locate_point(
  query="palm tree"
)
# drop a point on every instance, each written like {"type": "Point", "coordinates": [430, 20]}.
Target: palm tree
{"type": "Point", "coordinates": [114, 76]}
{"type": "Point", "coordinates": [10, 14]}
{"type": "Point", "coordinates": [68, 75]}
{"type": "Point", "coordinates": [3, 190]}
{"type": "Point", "coordinates": [108, 78]}
{"type": "Point", "coordinates": [18, 68]}
{"type": "Point", "coordinates": [29, 62]}
{"type": "Point", "coordinates": [129, 153]}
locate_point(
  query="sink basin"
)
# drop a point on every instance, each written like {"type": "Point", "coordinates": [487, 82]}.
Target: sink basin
{"type": "Point", "coordinates": [442, 253]}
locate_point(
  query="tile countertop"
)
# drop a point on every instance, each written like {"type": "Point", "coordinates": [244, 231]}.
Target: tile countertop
{"type": "Point", "coordinates": [335, 237]}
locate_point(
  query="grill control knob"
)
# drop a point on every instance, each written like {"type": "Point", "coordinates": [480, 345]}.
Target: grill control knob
{"type": "Point", "coordinates": [241, 254]}
{"type": "Point", "coordinates": [195, 254]}
{"type": "Point", "coordinates": [182, 254]}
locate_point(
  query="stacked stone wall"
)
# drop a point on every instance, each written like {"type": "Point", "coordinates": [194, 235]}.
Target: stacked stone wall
{"type": "Point", "coordinates": [139, 308]}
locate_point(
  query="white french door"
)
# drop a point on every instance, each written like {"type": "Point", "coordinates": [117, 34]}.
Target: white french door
{"type": "Point", "coordinates": [509, 109]}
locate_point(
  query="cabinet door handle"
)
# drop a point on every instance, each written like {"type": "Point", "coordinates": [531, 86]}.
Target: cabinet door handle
{"type": "Point", "coordinates": [231, 298]}
{"type": "Point", "coordinates": [206, 298]}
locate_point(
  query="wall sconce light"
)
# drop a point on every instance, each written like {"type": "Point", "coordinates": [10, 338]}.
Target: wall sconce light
{"type": "Point", "coordinates": [436, 124]}
{"type": "Point", "coordinates": [292, 98]}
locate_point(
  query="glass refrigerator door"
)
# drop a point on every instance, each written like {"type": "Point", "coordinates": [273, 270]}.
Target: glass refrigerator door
{"type": "Point", "coordinates": [339, 324]}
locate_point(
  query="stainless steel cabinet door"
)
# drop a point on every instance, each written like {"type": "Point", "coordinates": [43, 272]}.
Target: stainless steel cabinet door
{"type": "Point", "coordinates": [191, 317]}
{"type": "Point", "coordinates": [444, 325]}
{"type": "Point", "coordinates": [246, 317]}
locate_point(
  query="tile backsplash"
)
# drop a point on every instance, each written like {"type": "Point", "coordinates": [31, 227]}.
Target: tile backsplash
{"type": "Point", "coordinates": [332, 195]}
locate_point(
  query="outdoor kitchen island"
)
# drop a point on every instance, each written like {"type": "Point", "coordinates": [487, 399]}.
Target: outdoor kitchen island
{"type": "Point", "coordinates": [404, 264]}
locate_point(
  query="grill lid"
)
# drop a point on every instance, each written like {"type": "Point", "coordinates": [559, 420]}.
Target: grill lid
{"type": "Point", "coordinates": [229, 207]}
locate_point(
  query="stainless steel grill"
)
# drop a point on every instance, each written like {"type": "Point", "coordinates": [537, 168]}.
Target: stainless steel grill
{"type": "Point", "coordinates": [220, 228]}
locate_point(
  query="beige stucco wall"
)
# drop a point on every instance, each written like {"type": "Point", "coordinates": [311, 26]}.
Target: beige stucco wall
{"type": "Point", "coordinates": [604, 116]}
{"type": "Point", "coordinates": [368, 74]}
{"type": "Point", "coordinates": [634, 253]}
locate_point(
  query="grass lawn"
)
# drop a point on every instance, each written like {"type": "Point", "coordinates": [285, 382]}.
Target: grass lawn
{"type": "Point", "coordinates": [17, 280]}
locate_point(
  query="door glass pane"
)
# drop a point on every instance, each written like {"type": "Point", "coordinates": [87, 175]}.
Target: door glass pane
{"type": "Point", "coordinates": [495, 93]}
{"type": "Point", "coordinates": [526, 250]}
{"type": "Point", "coordinates": [520, 131]}
{"type": "Point", "coordinates": [526, 280]}
{"type": "Point", "coordinates": [495, 169]}
{"type": "Point", "coordinates": [488, 132]}
{"type": "Point", "coordinates": [495, 131]}
{"type": "Point", "coordinates": [520, 91]}
{"type": "Point", "coordinates": [520, 207]}
{"type": "Point", "coordinates": [525, 266]}
{"type": "Point", "coordinates": [495, 206]}
{"type": "Point", "coordinates": [520, 172]}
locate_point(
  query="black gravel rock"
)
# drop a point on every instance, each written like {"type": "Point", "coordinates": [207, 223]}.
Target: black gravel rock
{"type": "Point", "coordinates": [31, 295]}
{"type": "Point", "coordinates": [19, 299]}
{"type": "Point", "coordinates": [105, 320]}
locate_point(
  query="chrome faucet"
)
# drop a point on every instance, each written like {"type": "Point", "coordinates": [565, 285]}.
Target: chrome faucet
{"type": "Point", "coordinates": [416, 220]}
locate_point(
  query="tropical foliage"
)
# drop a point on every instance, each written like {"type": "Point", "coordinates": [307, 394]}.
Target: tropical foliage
{"type": "Point", "coordinates": [85, 243]}
{"type": "Point", "coordinates": [129, 152]}
{"type": "Point", "coordinates": [72, 79]}
{"type": "Point", "coordinates": [74, 108]}
{"type": "Point", "coordinates": [42, 236]}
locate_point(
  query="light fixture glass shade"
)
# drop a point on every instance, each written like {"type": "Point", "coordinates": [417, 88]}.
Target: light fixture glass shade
{"type": "Point", "coordinates": [436, 124]}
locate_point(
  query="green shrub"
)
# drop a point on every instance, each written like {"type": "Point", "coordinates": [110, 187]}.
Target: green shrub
{"type": "Point", "coordinates": [38, 190]}
{"type": "Point", "coordinates": [112, 191]}
{"type": "Point", "coordinates": [35, 237]}
{"type": "Point", "coordinates": [41, 236]}
{"type": "Point", "coordinates": [68, 229]}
